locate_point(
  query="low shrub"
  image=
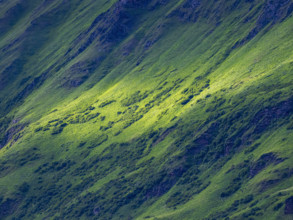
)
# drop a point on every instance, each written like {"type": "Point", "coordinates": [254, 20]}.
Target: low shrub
{"type": "Point", "coordinates": [108, 102]}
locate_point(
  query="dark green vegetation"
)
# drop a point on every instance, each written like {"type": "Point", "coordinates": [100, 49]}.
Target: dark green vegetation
{"type": "Point", "coordinates": [146, 109]}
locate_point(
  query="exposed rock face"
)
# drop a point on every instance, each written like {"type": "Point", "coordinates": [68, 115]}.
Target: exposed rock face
{"type": "Point", "coordinates": [106, 31]}
{"type": "Point", "coordinates": [273, 11]}
{"type": "Point", "coordinates": [12, 134]}
{"type": "Point", "coordinates": [113, 25]}
{"type": "Point", "coordinates": [188, 11]}
{"type": "Point", "coordinates": [264, 161]}
{"type": "Point", "coordinates": [78, 73]}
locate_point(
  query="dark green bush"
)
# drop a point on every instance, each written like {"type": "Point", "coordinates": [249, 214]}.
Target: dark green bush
{"type": "Point", "coordinates": [135, 98]}
{"type": "Point", "coordinates": [57, 130]}
{"type": "Point", "coordinates": [38, 129]}
{"type": "Point", "coordinates": [278, 206]}
{"type": "Point", "coordinates": [184, 102]}
{"type": "Point", "coordinates": [24, 188]}
{"type": "Point", "coordinates": [108, 102]}
{"type": "Point", "coordinates": [247, 199]}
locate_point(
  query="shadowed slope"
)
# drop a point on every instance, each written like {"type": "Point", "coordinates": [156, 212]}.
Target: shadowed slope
{"type": "Point", "coordinates": [146, 109]}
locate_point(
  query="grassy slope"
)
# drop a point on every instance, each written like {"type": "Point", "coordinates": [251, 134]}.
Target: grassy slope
{"type": "Point", "coordinates": [153, 174]}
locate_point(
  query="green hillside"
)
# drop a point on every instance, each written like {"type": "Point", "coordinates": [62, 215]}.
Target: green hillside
{"type": "Point", "coordinates": [146, 109]}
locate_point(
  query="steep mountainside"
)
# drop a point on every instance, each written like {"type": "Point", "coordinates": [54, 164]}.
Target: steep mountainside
{"type": "Point", "coordinates": [146, 109]}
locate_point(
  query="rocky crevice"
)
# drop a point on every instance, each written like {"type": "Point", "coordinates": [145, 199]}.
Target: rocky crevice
{"type": "Point", "coordinates": [272, 12]}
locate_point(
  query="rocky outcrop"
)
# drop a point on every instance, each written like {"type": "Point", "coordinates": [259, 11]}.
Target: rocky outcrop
{"type": "Point", "coordinates": [270, 115]}
{"type": "Point", "coordinates": [188, 11]}
{"type": "Point", "coordinates": [12, 134]}
{"type": "Point", "coordinates": [106, 31]}
{"type": "Point", "coordinates": [264, 161]}
{"type": "Point", "coordinates": [78, 73]}
{"type": "Point", "coordinates": [113, 25]}
{"type": "Point", "coordinates": [272, 12]}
